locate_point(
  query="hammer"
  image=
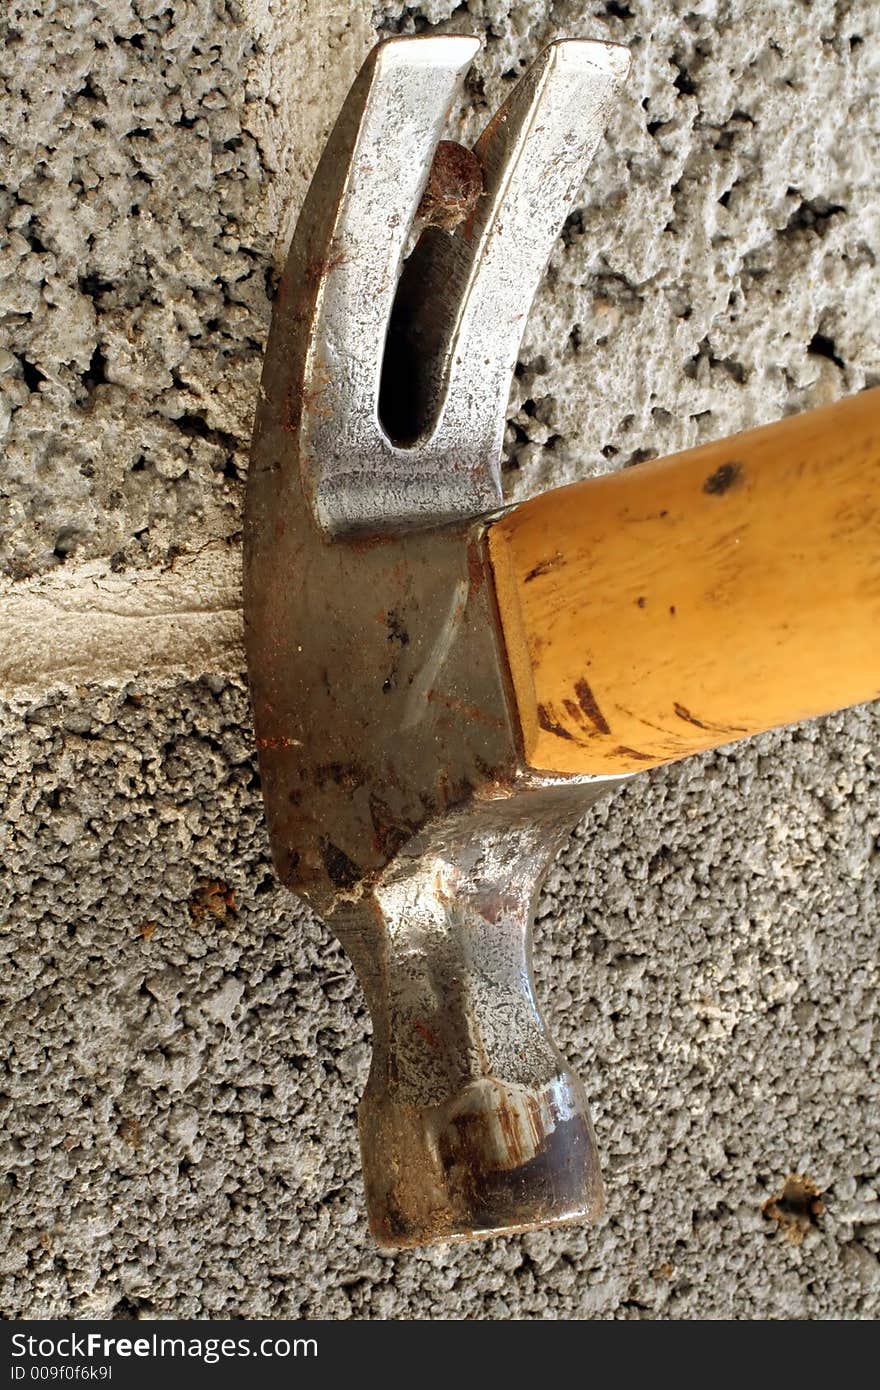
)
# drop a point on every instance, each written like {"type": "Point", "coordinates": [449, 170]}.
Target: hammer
{"type": "Point", "coordinates": [442, 687]}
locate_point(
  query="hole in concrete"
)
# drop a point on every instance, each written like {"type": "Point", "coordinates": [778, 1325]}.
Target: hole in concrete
{"type": "Point", "coordinates": [796, 1208]}
{"type": "Point", "coordinates": [538, 365]}
{"type": "Point", "coordinates": [211, 897]}
{"type": "Point", "coordinates": [267, 885]}
{"type": "Point", "coordinates": [732, 367]}
{"type": "Point", "coordinates": [684, 83]}
{"type": "Point", "coordinates": [821, 346]}
{"type": "Point", "coordinates": [812, 215]}
{"type": "Point", "coordinates": [573, 226]}
{"type": "Point", "coordinates": [65, 543]}
{"type": "Point", "coordinates": [193, 425]}
{"type": "Point", "coordinates": [475, 86]}
{"type": "Point", "coordinates": [520, 436]}
{"type": "Point", "coordinates": [129, 1310]}
{"type": "Point", "coordinates": [96, 372]}
{"type": "Point", "coordinates": [92, 286]}
{"type": "Point", "coordinates": [32, 375]}
{"type": "Point", "coordinates": [197, 427]}
{"type": "Point", "coordinates": [88, 89]}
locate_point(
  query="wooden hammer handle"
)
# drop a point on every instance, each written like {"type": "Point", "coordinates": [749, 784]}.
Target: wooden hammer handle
{"type": "Point", "coordinates": [688, 602]}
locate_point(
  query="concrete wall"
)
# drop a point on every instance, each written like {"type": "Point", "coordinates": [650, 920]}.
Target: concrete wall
{"type": "Point", "coordinates": [185, 1044]}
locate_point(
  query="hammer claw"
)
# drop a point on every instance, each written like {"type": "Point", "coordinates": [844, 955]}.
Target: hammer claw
{"type": "Point", "coordinates": [449, 331]}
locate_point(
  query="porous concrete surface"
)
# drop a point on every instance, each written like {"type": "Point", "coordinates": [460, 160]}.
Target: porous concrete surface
{"type": "Point", "coordinates": [155, 155]}
{"type": "Point", "coordinates": [185, 1046]}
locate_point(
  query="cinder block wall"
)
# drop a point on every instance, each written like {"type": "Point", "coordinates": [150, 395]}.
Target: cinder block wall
{"type": "Point", "coordinates": [184, 1044]}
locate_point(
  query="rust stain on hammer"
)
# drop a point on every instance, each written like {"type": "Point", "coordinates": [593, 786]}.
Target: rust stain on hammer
{"type": "Point", "coordinates": [544, 567]}
{"type": "Point", "coordinates": [587, 702]}
{"type": "Point", "coordinates": [684, 713]}
{"type": "Point", "coordinates": [455, 185]}
{"type": "Point", "coordinates": [551, 725]}
{"type": "Point", "coordinates": [725, 477]}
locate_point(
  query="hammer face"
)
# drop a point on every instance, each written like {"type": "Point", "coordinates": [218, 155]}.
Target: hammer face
{"type": "Point", "coordinates": [396, 796]}
{"type": "Point", "coordinates": [471, 1123]}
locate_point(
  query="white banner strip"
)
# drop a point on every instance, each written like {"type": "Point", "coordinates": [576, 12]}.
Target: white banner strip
{"type": "Point", "coordinates": [85, 624]}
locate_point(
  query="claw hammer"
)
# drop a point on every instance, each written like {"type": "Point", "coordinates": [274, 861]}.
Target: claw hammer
{"type": "Point", "coordinates": [442, 686]}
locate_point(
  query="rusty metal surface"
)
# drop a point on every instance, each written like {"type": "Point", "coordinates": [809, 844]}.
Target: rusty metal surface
{"type": "Point", "coordinates": [395, 794]}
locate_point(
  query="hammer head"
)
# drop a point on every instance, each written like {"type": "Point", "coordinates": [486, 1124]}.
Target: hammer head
{"type": "Point", "coordinates": [396, 795]}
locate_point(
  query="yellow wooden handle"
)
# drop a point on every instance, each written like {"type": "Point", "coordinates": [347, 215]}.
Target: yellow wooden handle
{"type": "Point", "coordinates": [687, 602]}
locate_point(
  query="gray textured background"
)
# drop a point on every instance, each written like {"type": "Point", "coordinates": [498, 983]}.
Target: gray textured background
{"type": "Point", "coordinates": [185, 1047]}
